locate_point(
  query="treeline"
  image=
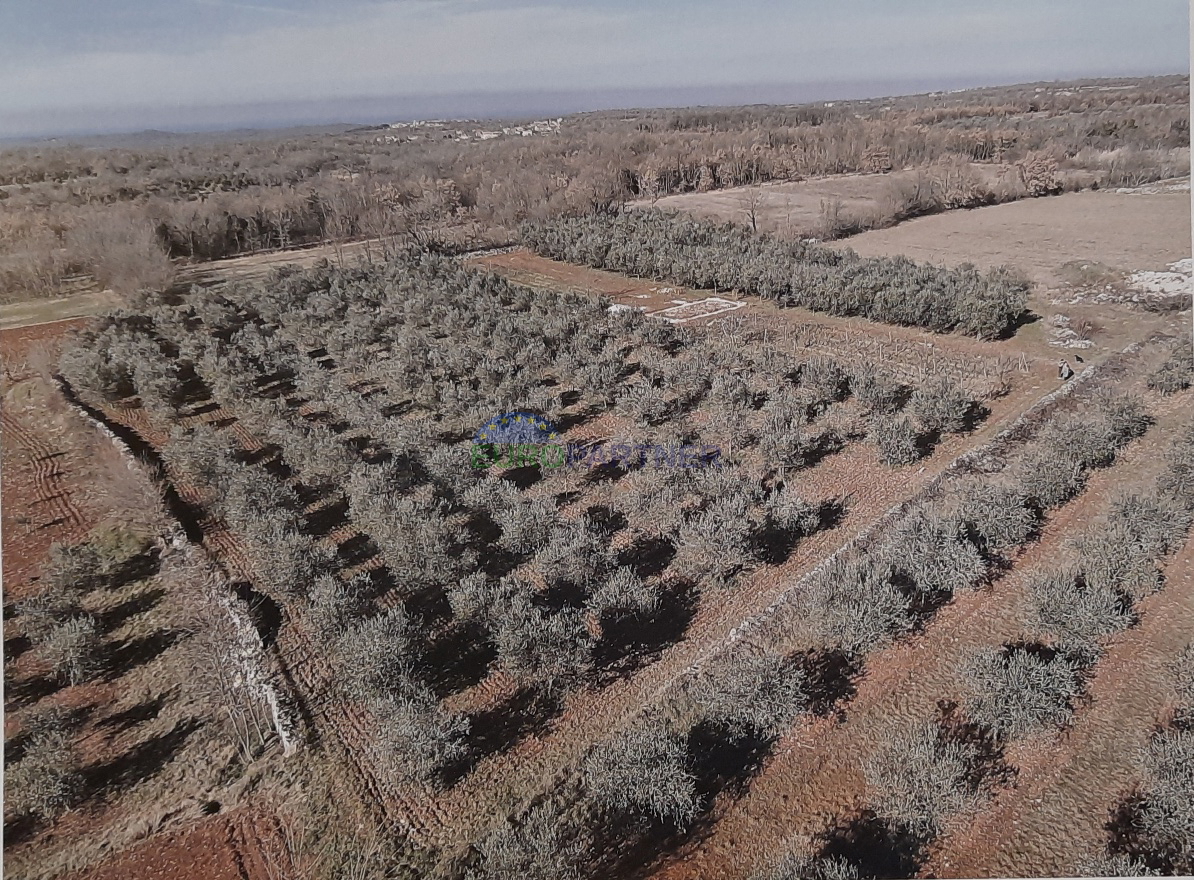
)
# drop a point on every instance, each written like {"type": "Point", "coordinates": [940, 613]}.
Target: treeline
{"type": "Point", "coordinates": [217, 199]}
{"type": "Point", "coordinates": [684, 251]}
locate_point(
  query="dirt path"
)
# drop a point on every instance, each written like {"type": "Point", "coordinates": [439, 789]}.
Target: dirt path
{"type": "Point", "coordinates": [47, 311]}
{"type": "Point", "coordinates": [814, 777]}
{"type": "Point", "coordinates": [44, 464]}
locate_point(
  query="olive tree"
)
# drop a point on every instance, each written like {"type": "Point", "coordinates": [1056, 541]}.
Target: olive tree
{"type": "Point", "coordinates": [643, 770]}
{"type": "Point", "coordinates": [1016, 691]}
{"type": "Point", "coordinates": [919, 778]}
{"type": "Point", "coordinates": [751, 695]}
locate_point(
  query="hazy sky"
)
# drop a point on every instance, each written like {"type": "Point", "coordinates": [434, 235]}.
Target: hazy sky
{"type": "Point", "coordinates": [92, 60]}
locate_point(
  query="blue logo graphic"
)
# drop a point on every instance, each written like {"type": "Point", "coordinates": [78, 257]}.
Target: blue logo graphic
{"type": "Point", "coordinates": [516, 427]}
{"type": "Point", "coordinates": [523, 439]}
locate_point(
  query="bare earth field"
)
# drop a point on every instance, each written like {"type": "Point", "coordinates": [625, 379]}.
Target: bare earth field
{"type": "Point", "coordinates": [1122, 231]}
{"type": "Point", "coordinates": [795, 207]}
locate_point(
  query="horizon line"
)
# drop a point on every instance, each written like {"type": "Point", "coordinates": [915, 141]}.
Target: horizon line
{"type": "Point", "coordinates": [266, 116]}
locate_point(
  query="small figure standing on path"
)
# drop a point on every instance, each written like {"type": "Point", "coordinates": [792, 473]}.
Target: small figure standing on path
{"type": "Point", "coordinates": [1064, 371]}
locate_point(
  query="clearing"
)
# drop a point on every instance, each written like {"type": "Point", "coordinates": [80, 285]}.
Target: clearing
{"type": "Point", "coordinates": [794, 208]}
{"type": "Point", "coordinates": [1122, 232]}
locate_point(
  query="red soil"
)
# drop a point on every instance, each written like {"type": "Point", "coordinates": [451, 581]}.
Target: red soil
{"type": "Point", "coordinates": [239, 845]}
{"type": "Point", "coordinates": [814, 775]}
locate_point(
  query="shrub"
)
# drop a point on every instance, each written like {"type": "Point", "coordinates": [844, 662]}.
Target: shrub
{"type": "Point", "coordinates": [751, 696]}
{"type": "Point", "coordinates": [1124, 415]}
{"type": "Point", "coordinates": [89, 367]}
{"type": "Point", "coordinates": [376, 654]}
{"type": "Point", "coordinates": [1183, 677]}
{"type": "Point", "coordinates": [1168, 811]}
{"type": "Point", "coordinates": [644, 404]}
{"type": "Point", "coordinates": [791, 513]}
{"type": "Point", "coordinates": [574, 554]}
{"type": "Point", "coordinates": [1114, 562]}
{"type": "Point", "coordinates": [1077, 612]}
{"type": "Point", "coordinates": [1157, 525]}
{"type": "Point", "coordinates": [1017, 690]}
{"type": "Point", "coordinates": [415, 736]}
{"type": "Point", "coordinates": [115, 546]}
{"type": "Point", "coordinates": [643, 770]}
{"type": "Point", "coordinates": [74, 568]}
{"type": "Point", "coordinates": [1050, 476]}
{"type": "Point", "coordinates": [896, 439]}
{"type": "Point", "coordinates": [1177, 481]}
{"type": "Point", "coordinates": [941, 406]}
{"type": "Point", "coordinates": [253, 504]}
{"type": "Point", "coordinates": [825, 380]}
{"type": "Point", "coordinates": [919, 779]}
{"type": "Point", "coordinates": [1054, 469]}
{"type": "Point", "coordinates": [996, 518]}
{"type": "Point", "coordinates": [42, 613]}
{"type": "Point", "coordinates": [929, 549]}
{"type": "Point", "coordinates": [802, 865]}
{"type": "Point", "coordinates": [782, 438]}
{"type": "Point", "coordinates": [1177, 373]}
{"type": "Point", "coordinates": [74, 649]}
{"type": "Point", "coordinates": [450, 470]}
{"type": "Point", "coordinates": [876, 393]}
{"type": "Point", "coordinates": [471, 597]}
{"type": "Point", "coordinates": [714, 544]}
{"type": "Point", "coordinates": [336, 604]}
{"type": "Point", "coordinates": [121, 250]}
{"type": "Point", "coordinates": [624, 593]}
{"type": "Point", "coordinates": [852, 604]}
{"type": "Point", "coordinates": [526, 525]}
{"type": "Point", "coordinates": [48, 778]}
{"type": "Point", "coordinates": [417, 536]}
{"type": "Point", "coordinates": [1118, 865]}
{"type": "Point", "coordinates": [538, 847]}
{"type": "Point", "coordinates": [287, 562]}
{"type": "Point", "coordinates": [537, 645]}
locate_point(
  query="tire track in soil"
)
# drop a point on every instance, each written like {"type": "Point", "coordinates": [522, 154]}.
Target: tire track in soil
{"type": "Point", "coordinates": [49, 485]}
{"type": "Point", "coordinates": [814, 775]}
{"type": "Point", "coordinates": [1057, 812]}
{"type": "Point", "coordinates": [345, 728]}
{"type": "Point", "coordinates": [498, 785]}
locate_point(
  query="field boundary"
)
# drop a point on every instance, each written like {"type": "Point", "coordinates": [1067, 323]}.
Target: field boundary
{"type": "Point", "coordinates": [248, 652]}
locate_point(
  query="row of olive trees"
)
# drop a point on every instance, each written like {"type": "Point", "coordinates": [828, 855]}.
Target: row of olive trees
{"type": "Point", "coordinates": [1073, 606]}
{"type": "Point", "coordinates": [646, 774]}
{"type": "Point", "coordinates": [1159, 839]}
{"type": "Point", "coordinates": [695, 253]}
{"type": "Point", "coordinates": [923, 774]}
{"type": "Point", "coordinates": [68, 640]}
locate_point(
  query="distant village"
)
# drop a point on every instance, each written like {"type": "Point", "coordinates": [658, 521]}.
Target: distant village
{"type": "Point", "coordinates": [453, 129]}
